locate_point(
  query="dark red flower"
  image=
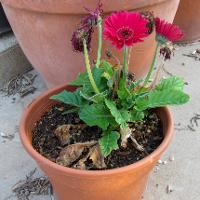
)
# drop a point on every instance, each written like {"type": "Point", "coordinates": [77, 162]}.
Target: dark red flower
{"type": "Point", "coordinates": [85, 29]}
{"type": "Point", "coordinates": [79, 36]}
{"type": "Point", "coordinates": [91, 19]}
{"type": "Point", "coordinates": [167, 31]}
{"type": "Point", "coordinates": [166, 53]}
{"type": "Point", "coordinates": [125, 28]}
{"type": "Point", "coordinates": [150, 17]}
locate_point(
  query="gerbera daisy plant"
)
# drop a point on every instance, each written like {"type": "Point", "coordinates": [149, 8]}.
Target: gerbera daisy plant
{"type": "Point", "coordinates": [105, 95]}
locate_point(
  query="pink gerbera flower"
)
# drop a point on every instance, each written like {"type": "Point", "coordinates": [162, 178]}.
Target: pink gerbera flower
{"type": "Point", "coordinates": [125, 28]}
{"type": "Point", "coordinates": [167, 30]}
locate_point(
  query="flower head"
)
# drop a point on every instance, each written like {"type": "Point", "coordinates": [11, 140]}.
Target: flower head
{"type": "Point", "coordinates": [85, 29]}
{"type": "Point", "coordinates": [92, 18]}
{"type": "Point", "coordinates": [125, 28]}
{"type": "Point", "coordinates": [150, 17]}
{"type": "Point", "coordinates": [166, 53]}
{"type": "Point", "coordinates": [167, 31]}
{"type": "Point", "coordinates": [79, 36]}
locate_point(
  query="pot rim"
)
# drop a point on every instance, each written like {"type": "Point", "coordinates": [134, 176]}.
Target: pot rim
{"type": "Point", "coordinates": [70, 6]}
{"type": "Point", "coordinates": [151, 158]}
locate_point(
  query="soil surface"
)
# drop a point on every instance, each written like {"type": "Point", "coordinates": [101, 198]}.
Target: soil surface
{"type": "Point", "coordinates": [148, 133]}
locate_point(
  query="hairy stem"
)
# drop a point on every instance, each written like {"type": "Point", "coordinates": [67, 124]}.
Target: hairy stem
{"type": "Point", "coordinates": [99, 41]}
{"type": "Point", "coordinates": [125, 66]}
{"type": "Point", "coordinates": [156, 76]}
{"type": "Point", "coordinates": [88, 68]}
{"type": "Point", "coordinates": [151, 68]}
{"type": "Point", "coordinates": [129, 55]}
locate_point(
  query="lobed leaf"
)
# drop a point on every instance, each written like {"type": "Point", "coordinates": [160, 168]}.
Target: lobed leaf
{"type": "Point", "coordinates": [108, 142]}
{"type": "Point", "coordinates": [157, 98]}
{"type": "Point", "coordinates": [96, 115]}
{"type": "Point", "coordinates": [173, 82]}
{"type": "Point", "coordinates": [71, 98]}
{"type": "Point", "coordinates": [136, 115]}
{"type": "Point", "coordinates": [120, 116]}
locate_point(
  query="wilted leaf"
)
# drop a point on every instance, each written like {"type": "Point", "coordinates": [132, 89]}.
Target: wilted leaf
{"type": "Point", "coordinates": [72, 153]}
{"type": "Point", "coordinates": [108, 142]}
{"type": "Point", "coordinates": [62, 133]}
{"type": "Point", "coordinates": [125, 134]}
{"type": "Point", "coordinates": [95, 156]}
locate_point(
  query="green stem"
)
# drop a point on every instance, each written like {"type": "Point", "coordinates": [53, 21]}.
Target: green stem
{"type": "Point", "coordinates": [99, 41]}
{"type": "Point", "coordinates": [88, 68]}
{"type": "Point", "coordinates": [125, 66]}
{"type": "Point", "coordinates": [152, 67]}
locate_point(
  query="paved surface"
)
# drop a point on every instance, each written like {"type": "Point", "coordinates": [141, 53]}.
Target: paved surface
{"type": "Point", "coordinates": [12, 59]}
{"type": "Point", "coordinates": [181, 176]}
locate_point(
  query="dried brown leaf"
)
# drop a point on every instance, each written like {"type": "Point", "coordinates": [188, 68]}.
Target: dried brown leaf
{"type": "Point", "coordinates": [72, 153]}
{"type": "Point", "coordinates": [62, 133]}
{"type": "Point", "coordinates": [125, 134]}
{"type": "Point", "coordinates": [97, 157]}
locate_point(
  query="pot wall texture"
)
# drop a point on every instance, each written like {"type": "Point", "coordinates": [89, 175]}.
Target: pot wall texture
{"type": "Point", "coordinates": [126, 183]}
{"type": "Point", "coordinates": [44, 29]}
{"type": "Point", "coordinates": [187, 18]}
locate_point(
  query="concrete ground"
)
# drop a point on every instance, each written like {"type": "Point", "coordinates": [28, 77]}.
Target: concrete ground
{"type": "Point", "coordinates": [177, 176]}
{"type": "Point", "coordinates": [12, 59]}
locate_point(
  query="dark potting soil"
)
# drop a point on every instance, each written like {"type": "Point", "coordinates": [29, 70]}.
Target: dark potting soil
{"type": "Point", "coordinates": [148, 133]}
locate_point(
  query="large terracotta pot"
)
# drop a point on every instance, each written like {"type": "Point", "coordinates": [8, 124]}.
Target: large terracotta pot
{"type": "Point", "coordinates": [126, 183]}
{"type": "Point", "coordinates": [44, 29]}
{"type": "Point", "coordinates": [187, 18]}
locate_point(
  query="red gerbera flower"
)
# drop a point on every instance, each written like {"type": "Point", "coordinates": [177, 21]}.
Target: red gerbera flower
{"type": "Point", "coordinates": [125, 28]}
{"type": "Point", "coordinates": [167, 30]}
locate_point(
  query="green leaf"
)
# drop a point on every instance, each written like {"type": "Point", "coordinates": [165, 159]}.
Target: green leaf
{"type": "Point", "coordinates": [70, 98]}
{"type": "Point", "coordinates": [108, 142]}
{"type": "Point", "coordinates": [120, 117]}
{"type": "Point", "coordinates": [107, 68]}
{"type": "Point", "coordinates": [157, 98]}
{"type": "Point", "coordinates": [172, 82]}
{"type": "Point", "coordinates": [72, 110]}
{"type": "Point", "coordinates": [136, 115]}
{"type": "Point", "coordinates": [134, 84]}
{"type": "Point", "coordinates": [81, 79]}
{"type": "Point", "coordinates": [97, 98]}
{"type": "Point", "coordinates": [123, 92]}
{"type": "Point", "coordinates": [96, 115]}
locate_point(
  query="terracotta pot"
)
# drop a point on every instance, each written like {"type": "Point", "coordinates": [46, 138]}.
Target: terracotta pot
{"type": "Point", "coordinates": [44, 29]}
{"type": "Point", "coordinates": [127, 183]}
{"type": "Point", "coordinates": [187, 18]}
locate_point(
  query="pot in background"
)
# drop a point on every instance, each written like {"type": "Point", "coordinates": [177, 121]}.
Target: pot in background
{"type": "Point", "coordinates": [44, 29]}
{"type": "Point", "coordinates": [187, 17]}
{"type": "Point", "coordinates": [127, 183]}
